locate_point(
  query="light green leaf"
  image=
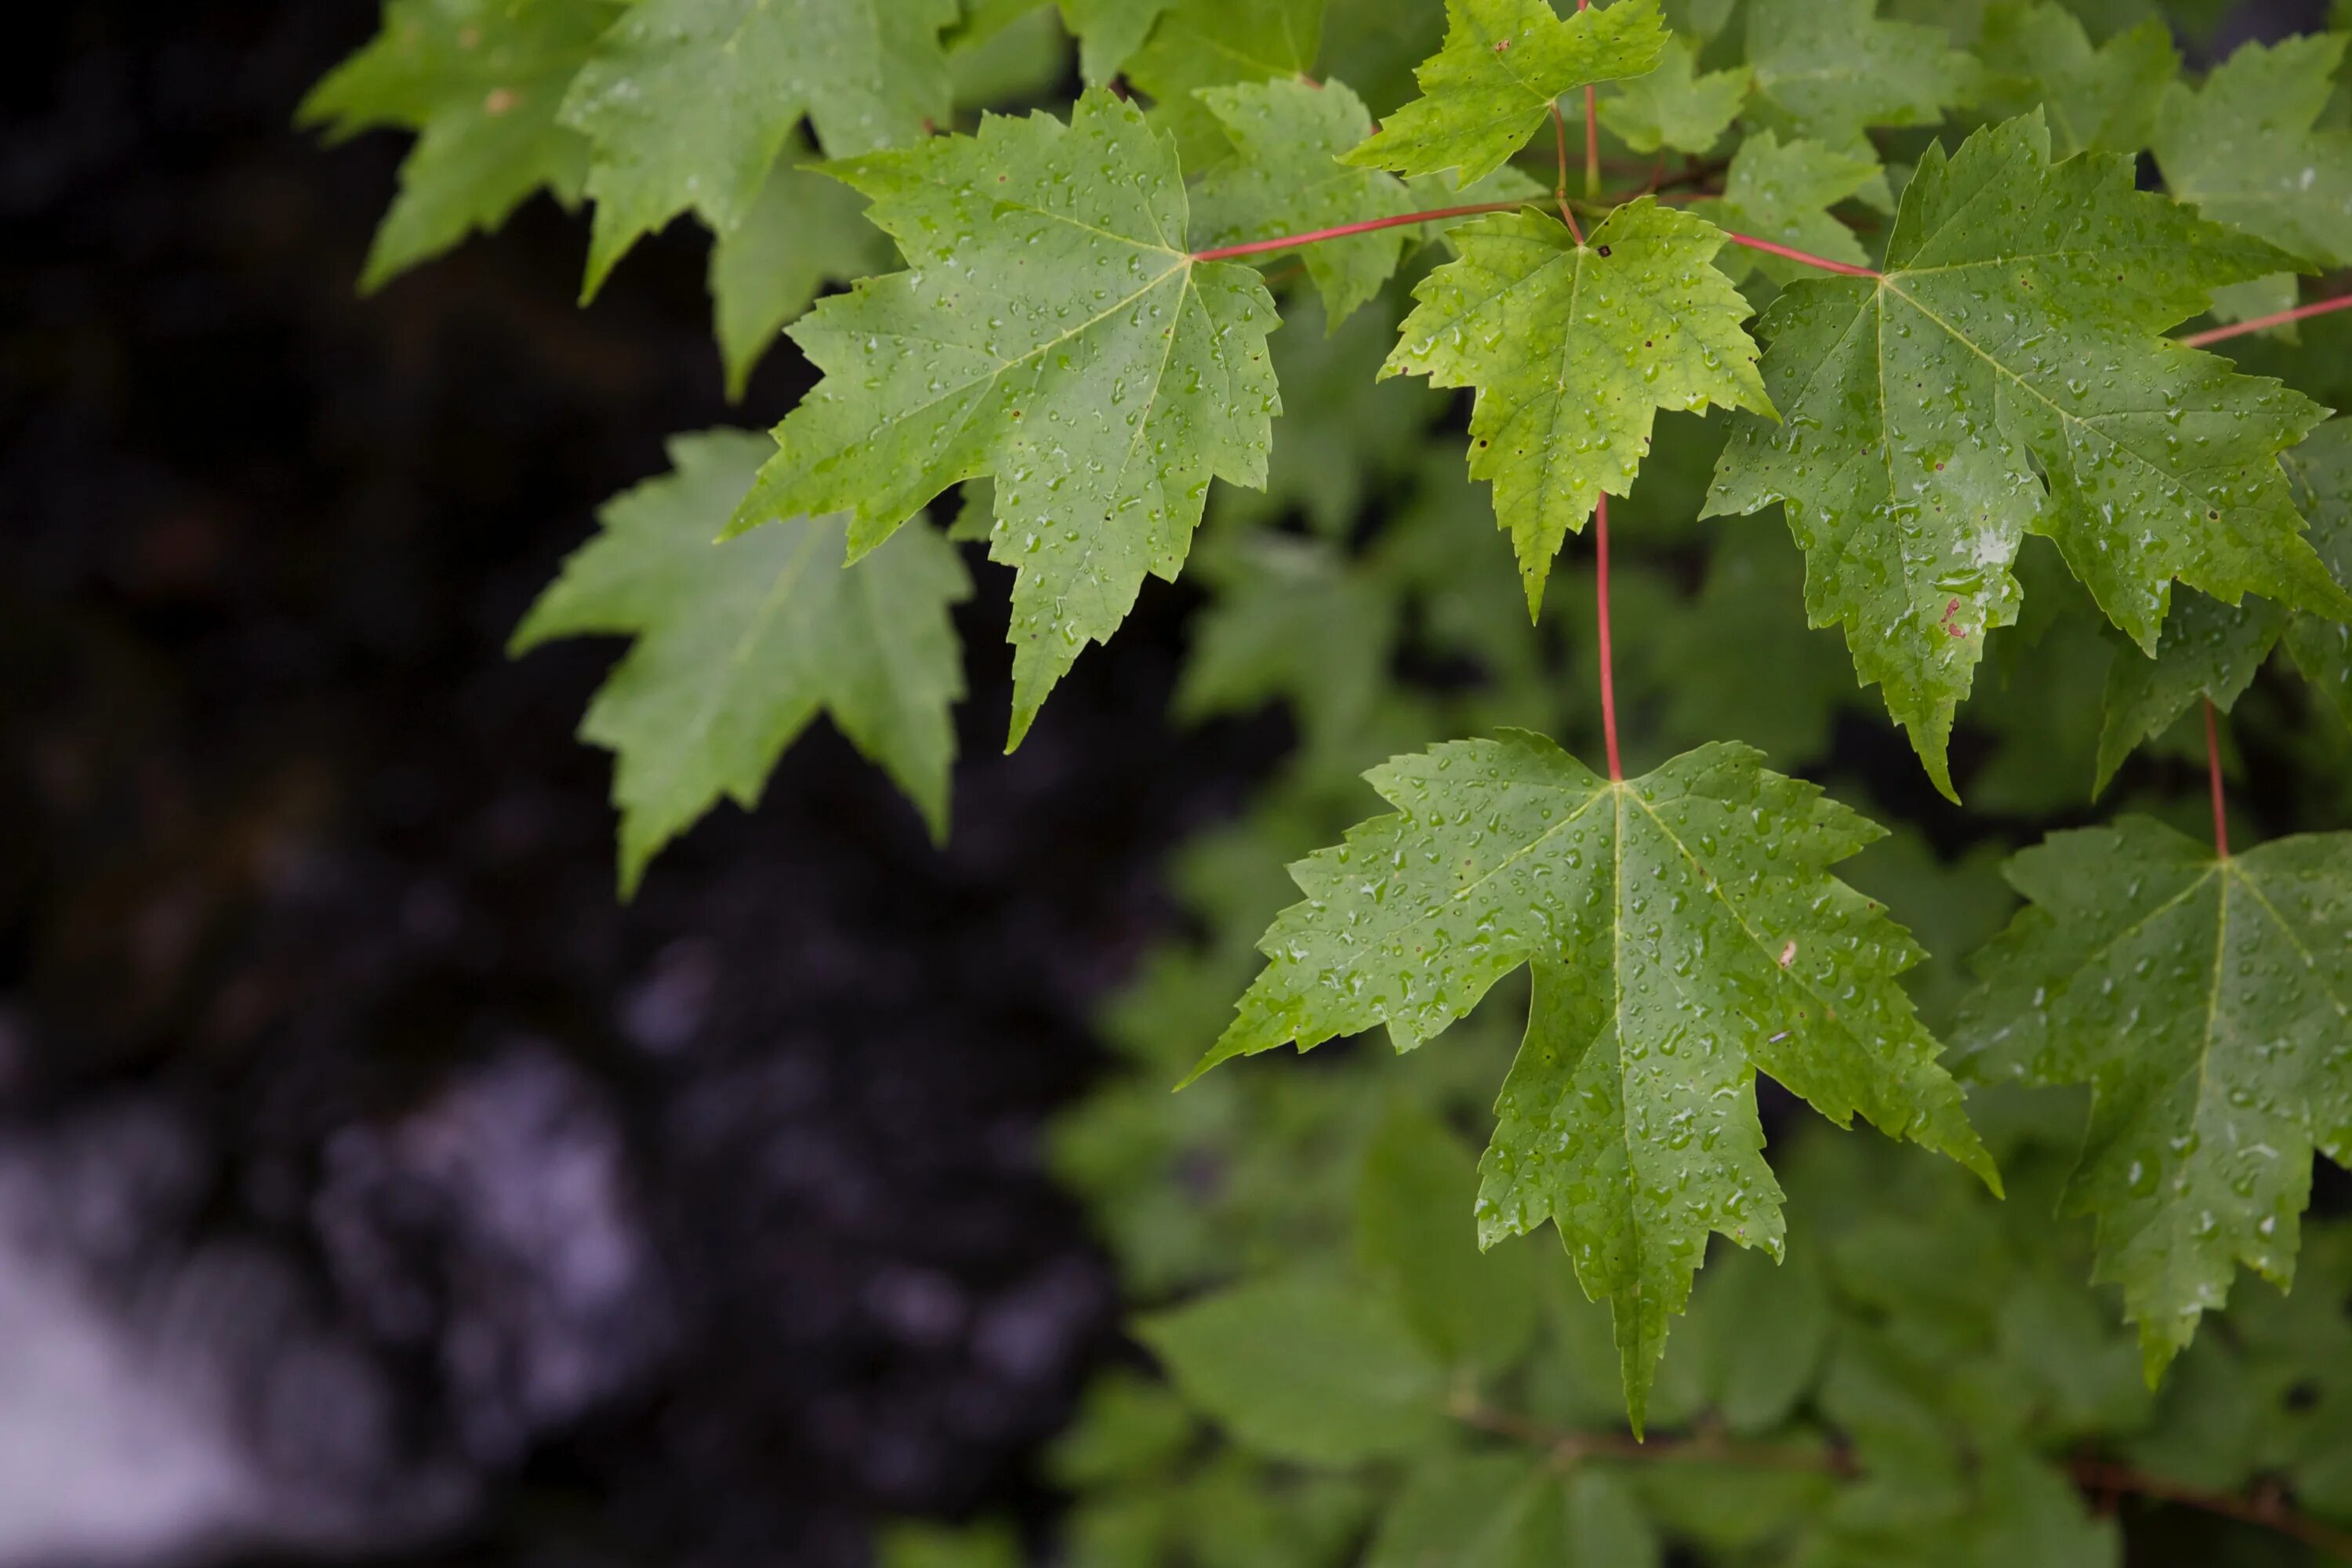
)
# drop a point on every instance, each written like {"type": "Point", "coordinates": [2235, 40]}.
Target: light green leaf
{"type": "Point", "coordinates": [1109, 32]}
{"type": "Point", "coordinates": [1051, 331]}
{"type": "Point", "coordinates": [1213, 43]}
{"type": "Point", "coordinates": [1685, 934]}
{"type": "Point", "coordinates": [2266, 295]}
{"type": "Point", "coordinates": [2243, 149]}
{"type": "Point", "coordinates": [802, 232]}
{"type": "Point", "coordinates": [1605, 1525]}
{"type": "Point", "coordinates": [2321, 472]}
{"type": "Point", "coordinates": [1493, 84]}
{"type": "Point", "coordinates": [687, 102]}
{"type": "Point", "coordinates": [738, 645]}
{"type": "Point", "coordinates": [1128, 1426]}
{"type": "Point", "coordinates": [2205, 1001]}
{"type": "Point", "coordinates": [1292, 619]}
{"type": "Point", "coordinates": [1346, 437]}
{"type": "Point", "coordinates": [1304, 1371]}
{"type": "Point", "coordinates": [1470, 1510]}
{"type": "Point", "coordinates": [2104, 100]}
{"type": "Point", "coordinates": [1285, 178]}
{"type": "Point", "coordinates": [2209, 650]}
{"type": "Point", "coordinates": [1021, 58]}
{"type": "Point", "coordinates": [479, 81]}
{"type": "Point", "coordinates": [1676, 105]}
{"type": "Point", "coordinates": [1572, 351]}
{"type": "Point", "coordinates": [987, 1545]}
{"type": "Point", "coordinates": [1748, 615]}
{"type": "Point", "coordinates": [1474, 1311]}
{"type": "Point", "coordinates": [1829, 69]}
{"type": "Point", "coordinates": [1761, 1331]}
{"type": "Point", "coordinates": [1573, 348]}
{"type": "Point", "coordinates": [1783, 193]}
{"type": "Point", "coordinates": [2005, 376]}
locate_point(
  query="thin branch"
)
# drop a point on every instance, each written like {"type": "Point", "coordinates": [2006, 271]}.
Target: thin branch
{"type": "Point", "coordinates": [2213, 767]}
{"type": "Point", "coordinates": [1807, 258]}
{"type": "Point", "coordinates": [2261, 323]}
{"type": "Point", "coordinates": [1608, 670]}
{"type": "Point", "coordinates": [2266, 1506]}
{"type": "Point", "coordinates": [1560, 191]}
{"type": "Point", "coordinates": [1592, 134]}
{"type": "Point", "coordinates": [1284, 242]}
{"type": "Point", "coordinates": [1698, 1447]}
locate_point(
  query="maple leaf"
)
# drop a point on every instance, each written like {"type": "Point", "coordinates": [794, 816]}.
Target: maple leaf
{"type": "Point", "coordinates": [1109, 32]}
{"type": "Point", "coordinates": [2320, 471]}
{"type": "Point", "coordinates": [687, 102]}
{"type": "Point", "coordinates": [1783, 193]}
{"type": "Point", "coordinates": [1493, 84]}
{"type": "Point", "coordinates": [2243, 149]}
{"type": "Point", "coordinates": [1573, 348]}
{"type": "Point", "coordinates": [738, 645]}
{"type": "Point", "coordinates": [2205, 1001]}
{"type": "Point", "coordinates": [2214, 650]}
{"type": "Point", "coordinates": [1216, 43]}
{"type": "Point", "coordinates": [1285, 178]}
{"type": "Point", "coordinates": [804, 231]}
{"type": "Point", "coordinates": [2102, 99]}
{"type": "Point", "coordinates": [1676, 105]}
{"type": "Point", "coordinates": [479, 81]}
{"type": "Point", "coordinates": [1684, 933]}
{"type": "Point", "coordinates": [2004, 375]}
{"type": "Point", "coordinates": [1051, 330]}
{"type": "Point", "coordinates": [1829, 69]}
{"type": "Point", "coordinates": [2209, 650]}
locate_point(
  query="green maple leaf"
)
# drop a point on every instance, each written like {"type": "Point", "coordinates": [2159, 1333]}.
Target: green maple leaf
{"type": "Point", "coordinates": [479, 81]}
{"type": "Point", "coordinates": [2205, 1001]}
{"type": "Point", "coordinates": [2214, 650]}
{"type": "Point", "coordinates": [1685, 934]}
{"type": "Point", "coordinates": [1783, 193]}
{"type": "Point", "coordinates": [1677, 105]}
{"type": "Point", "coordinates": [2209, 650]}
{"type": "Point", "coordinates": [1829, 69]}
{"type": "Point", "coordinates": [2103, 100]}
{"type": "Point", "coordinates": [687, 102]}
{"type": "Point", "coordinates": [1493, 85]}
{"type": "Point", "coordinates": [1573, 348]}
{"type": "Point", "coordinates": [1109, 32]}
{"type": "Point", "coordinates": [2320, 471]}
{"type": "Point", "coordinates": [2243, 149]}
{"type": "Point", "coordinates": [804, 231]}
{"type": "Point", "coordinates": [2005, 376]}
{"type": "Point", "coordinates": [1285, 178]}
{"type": "Point", "coordinates": [738, 645]}
{"type": "Point", "coordinates": [1051, 330]}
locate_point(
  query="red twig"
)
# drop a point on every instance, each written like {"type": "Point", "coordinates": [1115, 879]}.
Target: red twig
{"type": "Point", "coordinates": [1807, 258]}
{"type": "Point", "coordinates": [2213, 767]}
{"type": "Point", "coordinates": [1284, 242]}
{"type": "Point", "coordinates": [1560, 191]}
{"type": "Point", "coordinates": [1592, 134]}
{"type": "Point", "coordinates": [1608, 670]}
{"type": "Point", "coordinates": [2276, 319]}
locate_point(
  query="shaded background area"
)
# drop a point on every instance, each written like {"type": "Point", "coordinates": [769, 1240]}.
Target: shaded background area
{"type": "Point", "coordinates": [366, 1172]}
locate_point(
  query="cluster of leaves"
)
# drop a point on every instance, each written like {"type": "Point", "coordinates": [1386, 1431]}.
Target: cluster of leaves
{"type": "Point", "coordinates": [1892, 276]}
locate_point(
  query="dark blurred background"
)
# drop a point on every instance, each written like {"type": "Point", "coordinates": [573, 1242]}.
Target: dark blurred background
{"type": "Point", "coordinates": [371, 1183]}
